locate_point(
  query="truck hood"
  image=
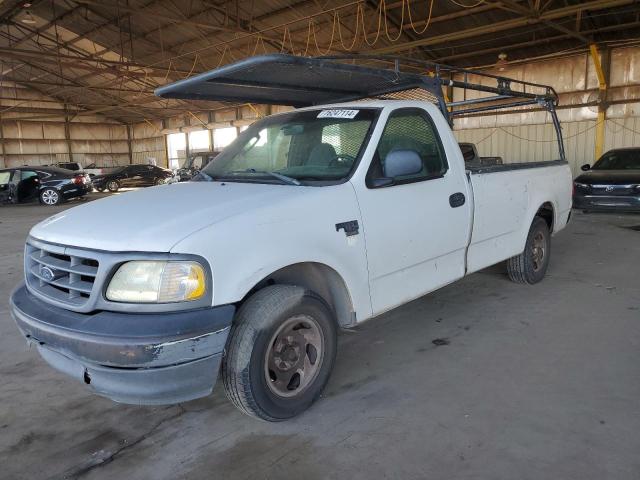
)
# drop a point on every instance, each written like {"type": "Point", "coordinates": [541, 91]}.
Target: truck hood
{"type": "Point", "coordinates": [155, 219]}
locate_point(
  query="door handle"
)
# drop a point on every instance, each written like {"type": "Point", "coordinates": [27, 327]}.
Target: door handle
{"type": "Point", "coordinates": [457, 200]}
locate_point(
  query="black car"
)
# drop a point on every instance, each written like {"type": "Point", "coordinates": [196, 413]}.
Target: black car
{"type": "Point", "coordinates": [49, 185]}
{"type": "Point", "coordinates": [131, 176]}
{"type": "Point", "coordinates": [192, 166]}
{"type": "Point", "coordinates": [612, 184]}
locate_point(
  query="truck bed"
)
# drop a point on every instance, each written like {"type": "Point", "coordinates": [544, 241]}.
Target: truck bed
{"type": "Point", "coordinates": [506, 198]}
{"type": "Point", "coordinates": [505, 167]}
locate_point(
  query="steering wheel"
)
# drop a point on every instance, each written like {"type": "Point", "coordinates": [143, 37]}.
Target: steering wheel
{"type": "Point", "coordinates": [342, 158]}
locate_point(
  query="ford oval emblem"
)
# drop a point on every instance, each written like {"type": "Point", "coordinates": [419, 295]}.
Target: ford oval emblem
{"type": "Point", "coordinates": [47, 274]}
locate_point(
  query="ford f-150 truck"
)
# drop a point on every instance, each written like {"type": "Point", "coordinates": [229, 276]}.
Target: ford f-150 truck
{"type": "Point", "coordinates": [312, 220]}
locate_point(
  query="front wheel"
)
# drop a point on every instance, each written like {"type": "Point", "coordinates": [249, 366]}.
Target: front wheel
{"type": "Point", "coordinates": [159, 181]}
{"type": "Point", "coordinates": [531, 265]}
{"type": "Point", "coordinates": [50, 196]}
{"type": "Point", "coordinates": [113, 186]}
{"type": "Point", "coordinates": [280, 352]}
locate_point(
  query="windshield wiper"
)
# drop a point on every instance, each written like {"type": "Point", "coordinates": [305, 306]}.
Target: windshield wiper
{"type": "Point", "coordinates": [279, 176]}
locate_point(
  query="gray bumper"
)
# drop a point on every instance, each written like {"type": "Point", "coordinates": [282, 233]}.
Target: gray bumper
{"type": "Point", "coordinates": [130, 358]}
{"type": "Point", "coordinates": [607, 203]}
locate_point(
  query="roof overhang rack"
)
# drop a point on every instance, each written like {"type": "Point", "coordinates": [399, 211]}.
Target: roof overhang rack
{"type": "Point", "coordinates": [280, 79]}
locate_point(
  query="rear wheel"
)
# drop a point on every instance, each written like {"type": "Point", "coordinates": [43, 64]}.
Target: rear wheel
{"type": "Point", "coordinates": [50, 196]}
{"type": "Point", "coordinates": [280, 352]}
{"type": "Point", "coordinates": [113, 185]}
{"type": "Point", "coordinates": [531, 265]}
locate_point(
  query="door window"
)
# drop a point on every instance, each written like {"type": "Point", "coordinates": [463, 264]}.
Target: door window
{"type": "Point", "coordinates": [5, 177]}
{"type": "Point", "coordinates": [410, 129]}
{"type": "Point", "coordinates": [197, 162]}
{"type": "Point", "coordinates": [25, 174]}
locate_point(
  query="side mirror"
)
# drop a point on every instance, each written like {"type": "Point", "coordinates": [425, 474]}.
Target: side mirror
{"type": "Point", "coordinates": [400, 163]}
{"type": "Point", "coordinates": [380, 182]}
{"type": "Point", "coordinates": [585, 167]}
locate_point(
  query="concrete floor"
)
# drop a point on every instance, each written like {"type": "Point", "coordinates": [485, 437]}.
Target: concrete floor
{"type": "Point", "coordinates": [536, 383]}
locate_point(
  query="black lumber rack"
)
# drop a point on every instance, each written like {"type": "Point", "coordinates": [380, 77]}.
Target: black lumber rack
{"type": "Point", "coordinates": [280, 79]}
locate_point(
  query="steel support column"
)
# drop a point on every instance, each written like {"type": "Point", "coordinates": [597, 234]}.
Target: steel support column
{"type": "Point", "coordinates": [601, 62]}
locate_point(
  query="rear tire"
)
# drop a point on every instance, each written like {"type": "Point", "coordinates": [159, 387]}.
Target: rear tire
{"type": "Point", "coordinates": [113, 186]}
{"type": "Point", "coordinates": [531, 265]}
{"type": "Point", "coordinates": [50, 197]}
{"type": "Point", "coordinates": [280, 352]}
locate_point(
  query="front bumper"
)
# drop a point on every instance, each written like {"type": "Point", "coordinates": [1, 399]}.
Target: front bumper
{"type": "Point", "coordinates": [145, 359]}
{"type": "Point", "coordinates": [607, 203]}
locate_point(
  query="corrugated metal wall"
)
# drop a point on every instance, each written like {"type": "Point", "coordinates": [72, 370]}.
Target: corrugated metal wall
{"type": "Point", "coordinates": [529, 136]}
{"type": "Point", "coordinates": [530, 143]}
{"type": "Point", "coordinates": [39, 143]}
{"type": "Point", "coordinates": [148, 143]}
{"type": "Point", "coordinates": [622, 132]}
{"type": "Point", "coordinates": [533, 143]}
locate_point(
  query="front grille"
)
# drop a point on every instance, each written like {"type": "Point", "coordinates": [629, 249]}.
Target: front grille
{"type": "Point", "coordinates": [57, 275]}
{"type": "Point", "coordinates": [613, 189]}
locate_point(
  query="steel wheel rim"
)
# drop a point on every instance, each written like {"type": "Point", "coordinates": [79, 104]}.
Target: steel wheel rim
{"type": "Point", "coordinates": [50, 197]}
{"type": "Point", "coordinates": [538, 251]}
{"type": "Point", "coordinates": [294, 356]}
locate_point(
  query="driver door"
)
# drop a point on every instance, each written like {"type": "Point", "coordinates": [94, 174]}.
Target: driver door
{"type": "Point", "coordinates": [133, 177]}
{"type": "Point", "coordinates": [6, 187]}
{"type": "Point", "coordinates": [415, 239]}
{"type": "Point", "coordinates": [29, 185]}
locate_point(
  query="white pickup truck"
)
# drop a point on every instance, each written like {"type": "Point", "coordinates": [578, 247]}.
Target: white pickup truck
{"type": "Point", "coordinates": [312, 220]}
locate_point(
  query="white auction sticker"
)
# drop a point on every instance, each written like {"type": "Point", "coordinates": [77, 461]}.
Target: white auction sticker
{"type": "Point", "coordinates": [338, 114]}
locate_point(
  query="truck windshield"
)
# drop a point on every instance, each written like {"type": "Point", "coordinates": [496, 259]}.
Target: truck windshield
{"type": "Point", "coordinates": [298, 147]}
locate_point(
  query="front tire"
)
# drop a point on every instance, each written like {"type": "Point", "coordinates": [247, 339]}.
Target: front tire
{"type": "Point", "coordinates": [50, 197]}
{"type": "Point", "coordinates": [159, 181]}
{"type": "Point", "coordinates": [113, 186]}
{"type": "Point", "coordinates": [280, 352]}
{"type": "Point", "coordinates": [531, 265]}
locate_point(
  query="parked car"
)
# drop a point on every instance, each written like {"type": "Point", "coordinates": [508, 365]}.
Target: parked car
{"type": "Point", "coordinates": [311, 220]}
{"type": "Point", "coordinates": [131, 176]}
{"type": "Point", "coordinates": [49, 185]}
{"type": "Point", "coordinates": [192, 166]}
{"type": "Point", "coordinates": [612, 184]}
{"type": "Point", "coordinates": [73, 166]}
{"type": "Point", "coordinates": [92, 170]}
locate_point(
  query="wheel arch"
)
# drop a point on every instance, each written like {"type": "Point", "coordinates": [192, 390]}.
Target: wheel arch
{"type": "Point", "coordinates": [319, 278]}
{"type": "Point", "coordinates": [547, 212]}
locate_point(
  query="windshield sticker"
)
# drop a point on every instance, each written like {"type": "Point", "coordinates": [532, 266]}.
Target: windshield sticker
{"type": "Point", "coordinates": [350, 114]}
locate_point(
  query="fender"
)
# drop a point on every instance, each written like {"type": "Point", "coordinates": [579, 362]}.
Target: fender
{"type": "Point", "coordinates": [245, 249]}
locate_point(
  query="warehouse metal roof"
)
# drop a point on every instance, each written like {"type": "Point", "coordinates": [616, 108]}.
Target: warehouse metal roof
{"type": "Point", "coordinates": [92, 57]}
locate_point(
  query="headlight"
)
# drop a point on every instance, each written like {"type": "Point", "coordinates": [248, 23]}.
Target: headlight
{"type": "Point", "coordinates": [157, 282]}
